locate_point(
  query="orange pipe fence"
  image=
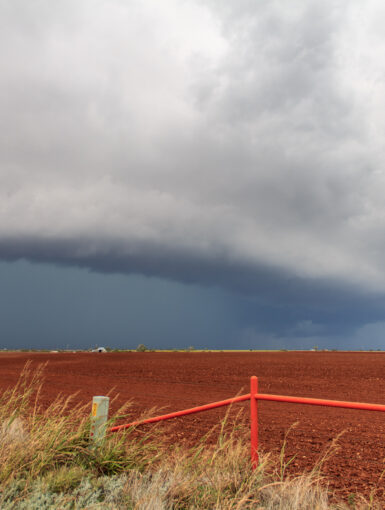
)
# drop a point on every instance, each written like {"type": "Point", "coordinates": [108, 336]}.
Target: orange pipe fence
{"type": "Point", "coordinates": [254, 396]}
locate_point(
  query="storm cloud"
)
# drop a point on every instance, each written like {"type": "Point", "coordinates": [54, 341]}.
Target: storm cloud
{"type": "Point", "coordinates": [234, 144]}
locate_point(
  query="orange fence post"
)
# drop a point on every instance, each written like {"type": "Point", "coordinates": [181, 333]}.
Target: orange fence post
{"type": "Point", "coordinates": [254, 421]}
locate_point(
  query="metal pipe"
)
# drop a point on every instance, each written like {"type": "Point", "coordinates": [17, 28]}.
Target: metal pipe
{"type": "Point", "coordinates": [258, 396]}
{"type": "Point", "coordinates": [185, 412]}
{"type": "Point", "coordinates": [321, 402]}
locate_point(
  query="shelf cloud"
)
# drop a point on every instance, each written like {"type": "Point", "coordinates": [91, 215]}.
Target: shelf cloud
{"type": "Point", "coordinates": [235, 144]}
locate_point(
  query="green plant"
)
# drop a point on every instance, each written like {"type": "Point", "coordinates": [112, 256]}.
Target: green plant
{"type": "Point", "coordinates": [283, 463]}
{"type": "Point", "coordinates": [352, 500]}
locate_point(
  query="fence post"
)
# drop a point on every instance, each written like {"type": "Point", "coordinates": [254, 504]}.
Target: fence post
{"type": "Point", "coordinates": [99, 417]}
{"type": "Point", "coordinates": [254, 421]}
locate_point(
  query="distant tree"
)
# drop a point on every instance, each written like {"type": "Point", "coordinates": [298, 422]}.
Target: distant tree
{"type": "Point", "coordinates": [141, 348]}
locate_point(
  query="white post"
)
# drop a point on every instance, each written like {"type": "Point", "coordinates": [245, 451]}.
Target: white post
{"type": "Point", "coordinates": [99, 417]}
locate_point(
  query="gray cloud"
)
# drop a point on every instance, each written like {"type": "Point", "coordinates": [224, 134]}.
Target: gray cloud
{"type": "Point", "coordinates": [233, 144]}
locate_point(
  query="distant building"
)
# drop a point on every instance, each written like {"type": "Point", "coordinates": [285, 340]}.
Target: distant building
{"type": "Point", "coordinates": [99, 349]}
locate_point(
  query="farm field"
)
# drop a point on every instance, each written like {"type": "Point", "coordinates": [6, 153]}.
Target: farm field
{"type": "Point", "coordinates": [177, 380]}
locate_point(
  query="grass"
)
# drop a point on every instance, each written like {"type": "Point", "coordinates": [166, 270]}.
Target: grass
{"type": "Point", "coordinates": [46, 462]}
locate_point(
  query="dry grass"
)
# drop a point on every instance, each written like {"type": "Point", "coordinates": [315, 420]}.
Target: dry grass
{"type": "Point", "coordinates": [46, 462]}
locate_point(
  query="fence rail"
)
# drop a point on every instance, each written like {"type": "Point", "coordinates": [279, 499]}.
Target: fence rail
{"type": "Point", "coordinates": [254, 397]}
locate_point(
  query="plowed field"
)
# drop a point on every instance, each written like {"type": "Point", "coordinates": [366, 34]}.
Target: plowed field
{"type": "Point", "coordinates": [175, 381]}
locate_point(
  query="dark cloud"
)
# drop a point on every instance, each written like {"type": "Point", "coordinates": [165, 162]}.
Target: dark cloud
{"type": "Point", "coordinates": [289, 294]}
{"type": "Point", "coordinates": [48, 306]}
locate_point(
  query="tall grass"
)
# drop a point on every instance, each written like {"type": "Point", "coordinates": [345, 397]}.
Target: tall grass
{"type": "Point", "coordinates": [46, 462]}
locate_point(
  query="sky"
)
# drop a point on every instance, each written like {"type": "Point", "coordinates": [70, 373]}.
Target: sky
{"type": "Point", "coordinates": [201, 173]}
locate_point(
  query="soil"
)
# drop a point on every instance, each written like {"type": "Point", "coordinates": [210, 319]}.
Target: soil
{"type": "Point", "coordinates": [171, 381]}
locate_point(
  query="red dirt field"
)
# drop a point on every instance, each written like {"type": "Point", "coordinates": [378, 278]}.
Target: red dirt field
{"type": "Point", "coordinates": [178, 380]}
